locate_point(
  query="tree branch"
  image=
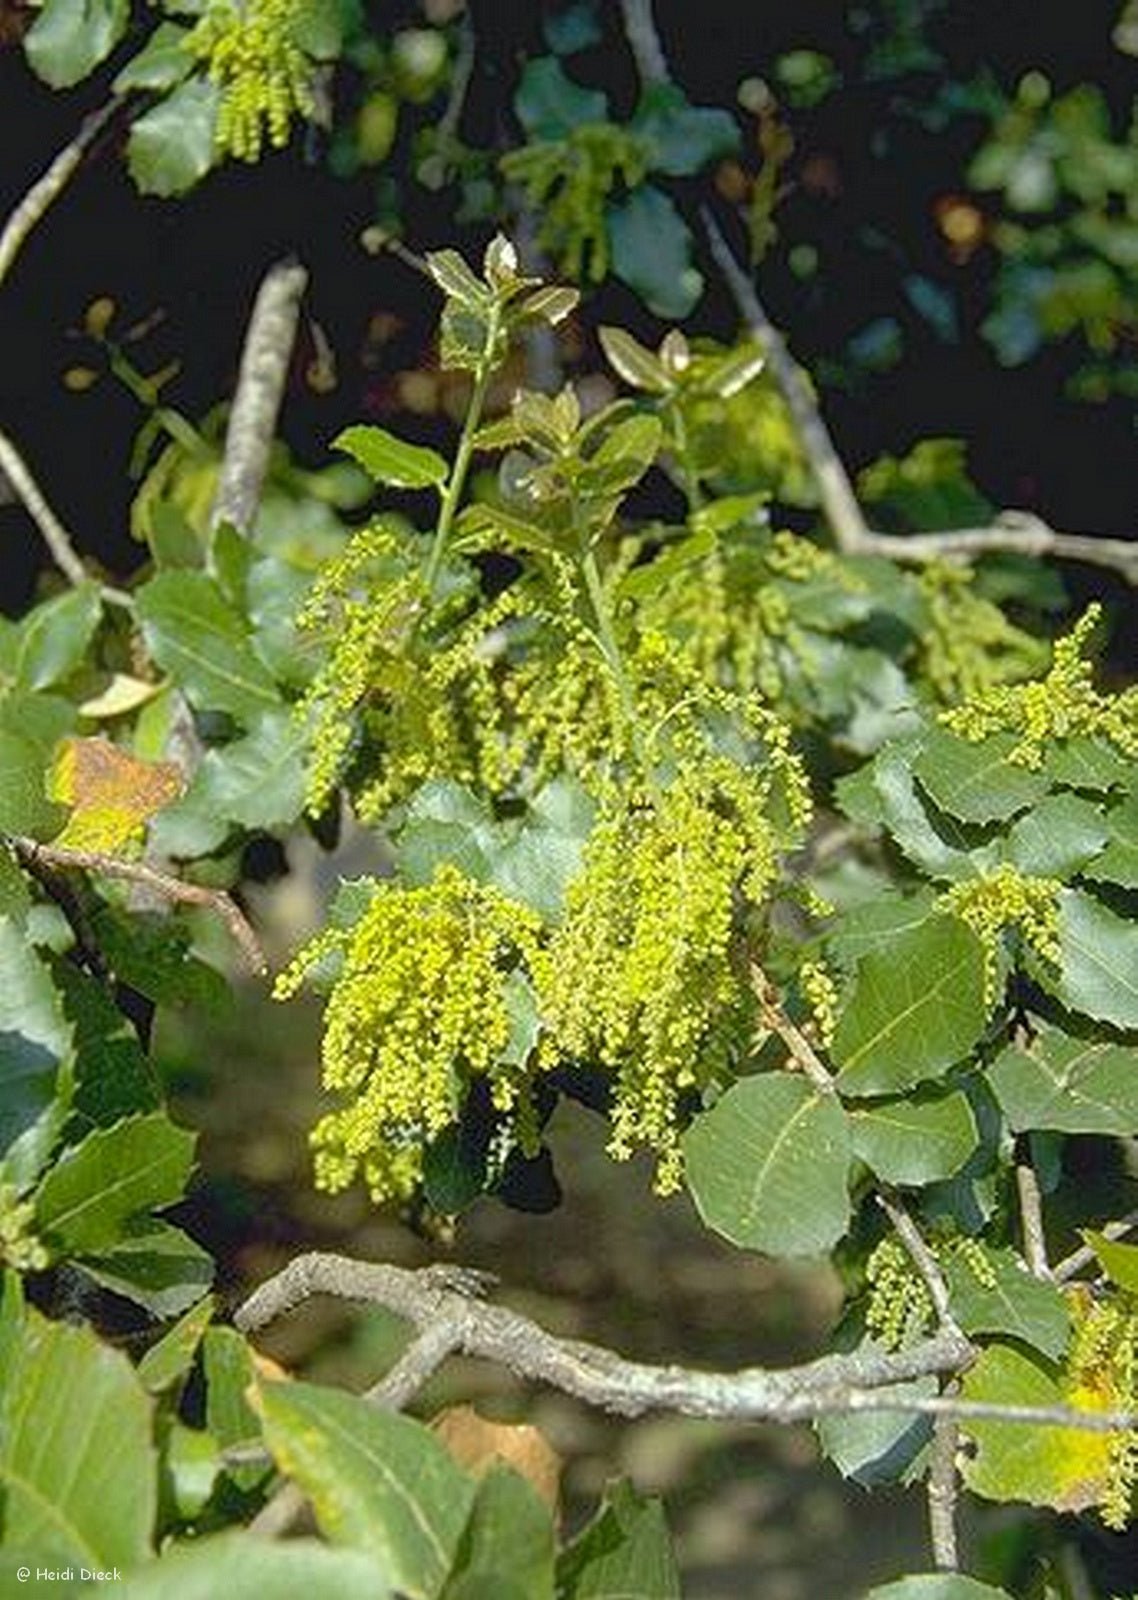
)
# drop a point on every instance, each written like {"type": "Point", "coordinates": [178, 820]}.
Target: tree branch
{"type": "Point", "coordinates": [644, 41]}
{"type": "Point", "coordinates": [54, 534]}
{"type": "Point", "coordinates": [1031, 1220]}
{"type": "Point", "coordinates": [34, 855]}
{"type": "Point", "coordinates": [922, 1258]}
{"type": "Point", "coordinates": [257, 400]}
{"type": "Point", "coordinates": [941, 1493]}
{"type": "Point", "coordinates": [46, 190]}
{"type": "Point", "coordinates": [439, 1300]}
{"type": "Point", "coordinates": [839, 503]}
{"type": "Point", "coordinates": [1019, 532]}
{"type": "Point", "coordinates": [1084, 1256]}
{"type": "Point", "coordinates": [801, 1052]}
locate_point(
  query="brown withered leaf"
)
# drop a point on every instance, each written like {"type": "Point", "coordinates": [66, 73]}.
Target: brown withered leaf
{"type": "Point", "coordinates": [112, 794]}
{"type": "Point", "coordinates": [478, 1444]}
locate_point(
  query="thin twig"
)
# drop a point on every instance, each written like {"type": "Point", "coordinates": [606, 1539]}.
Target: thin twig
{"type": "Point", "coordinates": [802, 1053]}
{"type": "Point", "coordinates": [1015, 532]}
{"type": "Point", "coordinates": [922, 1258]}
{"type": "Point", "coordinates": [257, 400]}
{"type": "Point", "coordinates": [839, 503]}
{"type": "Point", "coordinates": [163, 884]}
{"type": "Point", "coordinates": [47, 189]}
{"type": "Point", "coordinates": [1085, 1256]}
{"type": "Point", "coordinates": [941, 1493]}
{"type": "Point", "coordinates": [54, 534]}
{"type": "Point", "coordinates": [849, 1383]}
{"type": "Point", "coordinates": [1031, 1220]}
{"type": "Point", "coordinates": [644, 41]}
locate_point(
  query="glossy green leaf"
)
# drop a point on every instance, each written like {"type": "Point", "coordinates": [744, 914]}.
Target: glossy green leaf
{"type": "Point", "coordinates": [162, 62]}
{"type": "Point", "coordinates": [155, 1265]}
{"type": "Point", "coordinates": [652, 252]}
{"type": "Point", "coordinates": [54, 637]}
{"type": "Point", "coordinates": [975, 782]}
{"type": "Point", "coordinates": [876, 924]}
{"type": "Point", "coordinates": [1118, 863]}
{"type": "Point", "coordinates": [550, 304]}
{"type": "Point", "coordinates": [168, 1362]}
{"type": "Point", "coordinates": [1098, 960]}
{"type": "Point", "coordinates": [1057, 836]}
{"type": "Point", "coordinates": [136, 1165]}
{"type": "Point", "coordinates": [1065, 1468]}
{"type": "Point", "coordinates": [196, 636]}
{"type": "Point", "coordinates": [1067, 1084]}
{"type": "Point", "coordinates": [390, 460]}
{"type": "Point", "coordinates": [1119, 1261]}
{"type": "Point", "coordinates": [682, 138]}
{"type": "Point", "coordinates": [913, 1009]}
{"type": "Point", "coordinates": [550, 105]}
{"type": "Point", "coordinates": [916, 1140]}
{"type": "Point", "coordinates": [77, 1466]}
{"type": "Point", "coordinates": [937, 1586]}
{"type": "Point", "coordinates": [768, 1166]}
{"type": "Point", "coordinates": [70, 37]}
{"type": "Point", "coordinates": [457, 281]}
{"type": "Point", "coordinates": [191, 1466]}
{"type": "Point", "coordinates": [639, 367]}
{"type": "Point", "coordinates": [625, 1551]}
{"type": "Point", "coordinates": [35, 1055]}
{"type": "Point", "coordinates": [243, 1566]}
{"type": "Point", "coordinates": [377, 1482]}
{"type": "Point", "coordinates": [171, 146]}
{"type": "Point", "coordinates": [507, 1546]}
{"type": "Point", "coordinates": [254, 783]}
{"type": "Point", "coordinates": [1006, 1299]}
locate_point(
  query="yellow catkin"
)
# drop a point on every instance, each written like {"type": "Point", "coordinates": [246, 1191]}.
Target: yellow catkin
{"type": "Point", "coordinates": [251, 52]}
{"type": "Point", "coordinates": [1002, 899]}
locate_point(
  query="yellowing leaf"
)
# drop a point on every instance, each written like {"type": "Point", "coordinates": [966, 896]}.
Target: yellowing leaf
{"type": "Point", "coordinates": [112, 795]}
{"type": "Point", "coordinates": [1065, 1468]}
{"type": "Point", "coordinates": [478, 1445]}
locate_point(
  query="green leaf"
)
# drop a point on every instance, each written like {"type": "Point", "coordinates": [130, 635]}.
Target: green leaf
{"type": "Point", "coordinates": [768, 1166]}
{"type": "Point", "coordinates": [162, 62]}
{"type": "Point", "coordinates": [878, 1447]}
{"type": "Point", "coordinates": [227, 1362]}
{"type": "Point", "coordinates": [377, 1482]}
{"type": "Point", "coordinates": [1118, 863]}
{"type": "Point", "coordinates": [913, 1009]}
{"type": "Point", "coordinates": [169, 1361]}
{"type": "Point", "coordinates": [35, 1056]}
{"type": "Point", "coordinates": [550, 105]}
{"type": "Point", "coordinates": [202, 642]}
{"type": "Point", "coordinates": [1067, 1084]}
{"type": "Point", "coordinates": [155, 1265]}
{"type": "Point", "coordinates": [1118, 1261]}
{"type": "Point", "coordinates": [876, 924]}
{"type": "Point", "coordinates": [507, 1547]}
{"type": "Point", "coordinates": [624, 1552]}
{"type": "Point", "coordinates": [77, 1466]}
{"type": "Point", "coordinates": [1057, 836]}
{"type": "Point", "coordinates": [390, 460]}
{"type": "Point", "coordinates": [136, 1165]}
{"type": "Point", "coordinates": [275, 590]}
{"type": "Point", "coordinates": [1098, 972]}
{"type": "Point", "coordinates": [651, 252]}
{"type": "Point", "coordinates": [70, 37]}
{"type": "Point", "coordinates": [54, 637]}
{"type": "Point", "coordinates": [1012, 1302]}
{"type": "Point", "coordinates": [937, 1586]}
{"type": "Point", "coordinates": [639, 367]}
{"type": "Point", "coordinates": [255, 783]}
{"type": "Point", "coordinates": [113, 1078]}
{"type": "Point", "coordinates": [939, 847]}
{"type": "Point", "coordinates": [457, 281]}
{"type": "Point", "coordinates": [975, 782]}
{"type": "Point", "coordinates": [171, 146]}
{"type": "Point", "coordinates": [682, 137]}
{"type": "Point", "coordinates": [1065, 1468]}
{"type": "Point", "coordinates": [24, 806]}
{"type": "Point", "coordinates": [916, 1140]}
{"type": "Point", "coordinates": [1087, 764]}
{"type": "Point", "coordinates": [242, 1566]}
